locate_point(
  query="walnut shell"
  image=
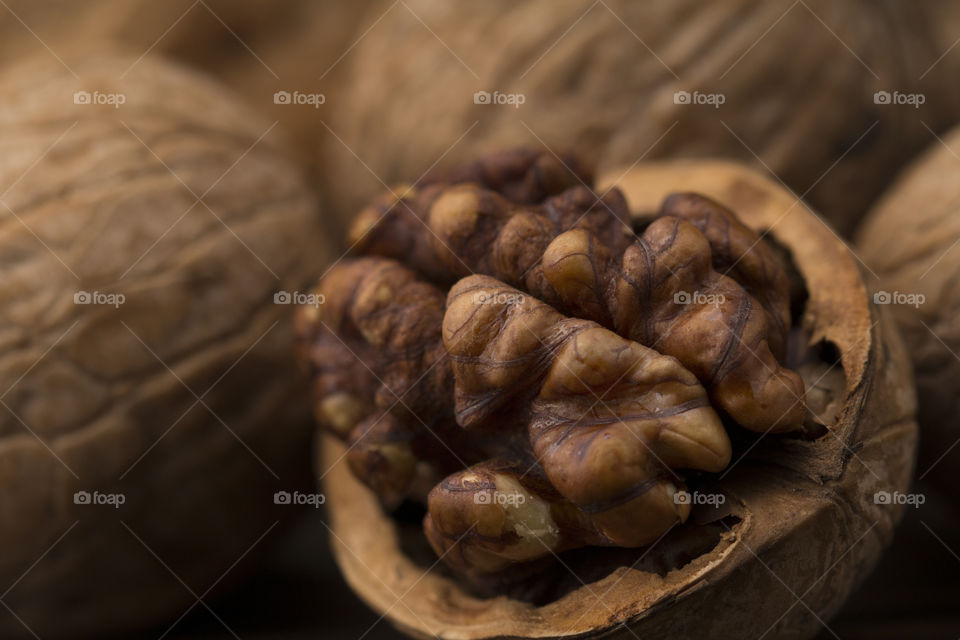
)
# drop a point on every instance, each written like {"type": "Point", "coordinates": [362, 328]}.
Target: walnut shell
{"type": "Point", "coordinates": [797, 509]}
{"type": "Point", "coordinates": [101, 201]}
{"type": "Point", "coordinates": [909, 241]}
{"type": "Point", "coordinates": [798, 82]}
{"type": "Point", "coordinates": [255, 47]}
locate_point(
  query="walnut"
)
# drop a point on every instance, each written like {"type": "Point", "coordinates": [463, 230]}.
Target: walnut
{"type": "Point", "coordinates": [381, 375]}
{"type": "Point", "coordinates": [909, 242]}
{"type": "Point", "coordinates": [607, 419]}
{"type": "Point", "coordinates": [578, 422]}
{"type": "Point", "coordinates": [252, 47]}
{"type": "Point", "coordinates": [89, 403]}
{"type": "Point", "coordinates": [575, 250]}
{"type": "Point", "coordinates": [623, 80]}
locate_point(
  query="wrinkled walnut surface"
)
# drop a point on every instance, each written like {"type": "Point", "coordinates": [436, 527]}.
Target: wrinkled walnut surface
{"type": "Point", "coordinates": [104, 398]}
{"type": "Point", "coordinates": [605, 79]}
{"type": "Point", "coordinates": [579, 375]}
{"type": "Point", "coordinates": [910, 242]}
{"type": "Point", "coordinates": [607, 423]}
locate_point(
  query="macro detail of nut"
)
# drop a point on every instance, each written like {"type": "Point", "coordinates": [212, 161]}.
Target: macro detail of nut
{"type": "Point", "coordinates": [588, 363]}
{"type": "Point", "coordinates": [564, 421]}
{"type": "Point", "coordinates": [575, 251]}
{"type": "Point", "coordinates": [663, 291]}
{"type": "Point", "coordinates": [607, 420]}
{"type": "Point", "coordinates": [381, 378]}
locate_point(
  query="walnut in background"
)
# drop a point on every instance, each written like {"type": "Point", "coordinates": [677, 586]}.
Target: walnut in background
{"type": "Point", "coordinates": [910, 242]}
{"type": "Point", "coordinates": [788, 87]}
{"type": "Point", "coordinates": [256, 47]}
{"type": "Point", "coordinates": [149, 221]}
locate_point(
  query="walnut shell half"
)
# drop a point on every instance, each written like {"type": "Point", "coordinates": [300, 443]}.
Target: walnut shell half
{"type": "Point", "coordinates": [801, 525]}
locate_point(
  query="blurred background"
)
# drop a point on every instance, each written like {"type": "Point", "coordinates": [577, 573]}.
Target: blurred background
{"type": "Point", "coordinates": [371, 93]}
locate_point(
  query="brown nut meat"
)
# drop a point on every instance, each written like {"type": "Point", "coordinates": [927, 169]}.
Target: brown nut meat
{"type": "Point", "coordinates": [381, 380]}
{"type": "Point", "coordinates": [663, 292]}
{"type": "Point", "coordinates": [742, 566]}
{"type": "Point", "coordinates": [447, 232]}
{"type": "Point", "coordinates": [736, 250]}
{"type": "Point", "coordinates": [381, 377]}
{"type": "Point", "coordinates": [576, 251]}
{"type": "Point", "coordinates": [607, 419]}
{"type": "Point", "coordinates": [604, 419]}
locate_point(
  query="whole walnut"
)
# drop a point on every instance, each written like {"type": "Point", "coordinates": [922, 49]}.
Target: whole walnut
{"type": "Point", "coordinates": [671, 397]}
{"type": "Point", "coordinates": [257, 48]}
{"type": "Point", "coordinates": [792, 88]}
{"type": "Point", "coordinates": [909, 242]}
{"type": "Point", "coordinates": [147, 418]}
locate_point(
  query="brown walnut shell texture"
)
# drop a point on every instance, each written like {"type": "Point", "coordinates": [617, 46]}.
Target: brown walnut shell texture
{"type": "Point", "coordinates": [252, 46]}
{"type": "Point", "coordinates": [808, 522]}
{"type": "Point", "coordinates": [91, 201]}
{"type": "Point", "coordinates": [911, 240]}
{"type": "Point", "coordinates": [798, 81]}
